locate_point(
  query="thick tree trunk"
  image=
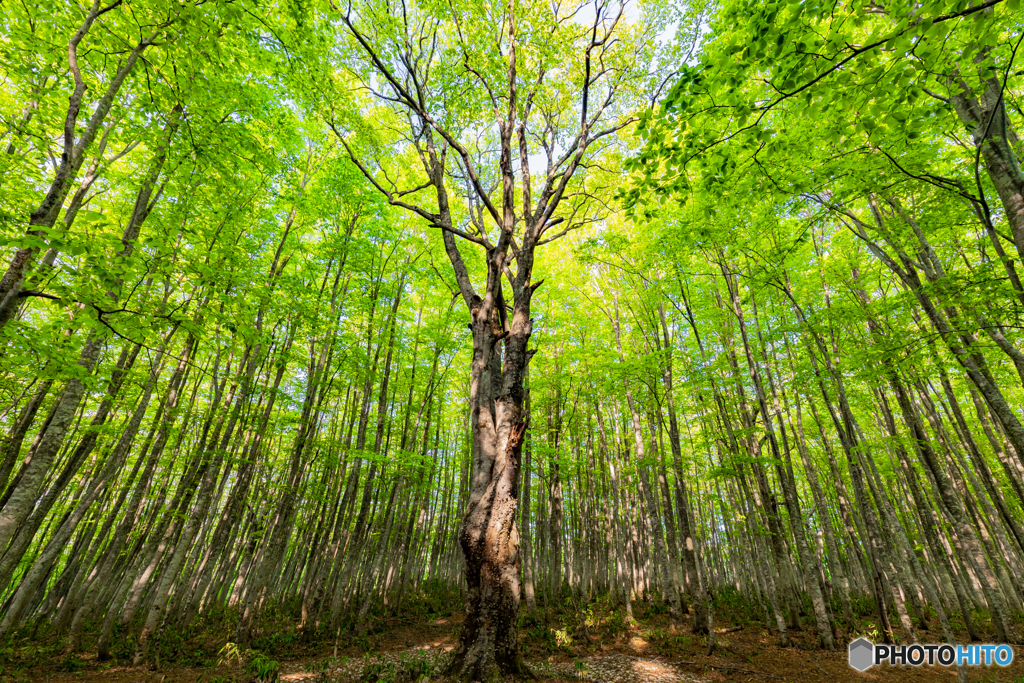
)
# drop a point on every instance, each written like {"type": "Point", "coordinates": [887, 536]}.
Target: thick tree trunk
{"type": "Point", "coordinates": [489, 535]}
{"type": "Point", "coordinates": [489, 538]}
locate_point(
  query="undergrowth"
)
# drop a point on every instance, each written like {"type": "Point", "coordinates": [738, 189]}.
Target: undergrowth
{"type": "Point", "coordinates": [565, 625]}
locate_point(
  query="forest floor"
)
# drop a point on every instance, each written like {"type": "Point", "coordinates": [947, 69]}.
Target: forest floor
{"type": "Point", "coordinates": [643, 651]}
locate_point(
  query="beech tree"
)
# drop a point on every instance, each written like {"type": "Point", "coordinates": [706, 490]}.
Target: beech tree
{"type": "Point", "coordinates": [513, 62]}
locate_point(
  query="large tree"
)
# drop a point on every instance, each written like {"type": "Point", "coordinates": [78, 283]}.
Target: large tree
{"type": "Point", "coordinates": [485, 90]}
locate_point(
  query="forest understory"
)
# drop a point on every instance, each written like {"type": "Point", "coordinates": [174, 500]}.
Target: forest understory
{"type": "Point", "coordinates": [604, 646]}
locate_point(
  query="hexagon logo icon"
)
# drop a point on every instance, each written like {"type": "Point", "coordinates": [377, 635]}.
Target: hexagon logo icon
{"type": "Point", "coordinates": [862, 654]}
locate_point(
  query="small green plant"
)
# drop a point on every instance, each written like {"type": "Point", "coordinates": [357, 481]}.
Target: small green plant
{"type": "Point", "coordinates": [415, 669]}
{"type": "Point", "coordinates": [616, 623]}
{"type": "Point", "coordinates": [71, 664]}
{"type": "Point", "coordinates": [669, 643]}
{"type": "Point", "coordinates": [378, 671]}
{"type": "Point", "coordinates": [562, 637]}
{"type": "Point", "coordinates": [657, 607]}
{"type": "Point", "coordinates": [15, 675]}
{"type": "Point", "coordinates": [259, 668]}
{"type": "Point", "coordinates": [228, 652]}
{"type": "Point", "coordinates": [580, 668]}
{"type": "Point", "coordinates": [537, 634]}
{"type": "Point", "coordinates": [323, 668]}
{"type": "Point", "coordinates": [262, 669]}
